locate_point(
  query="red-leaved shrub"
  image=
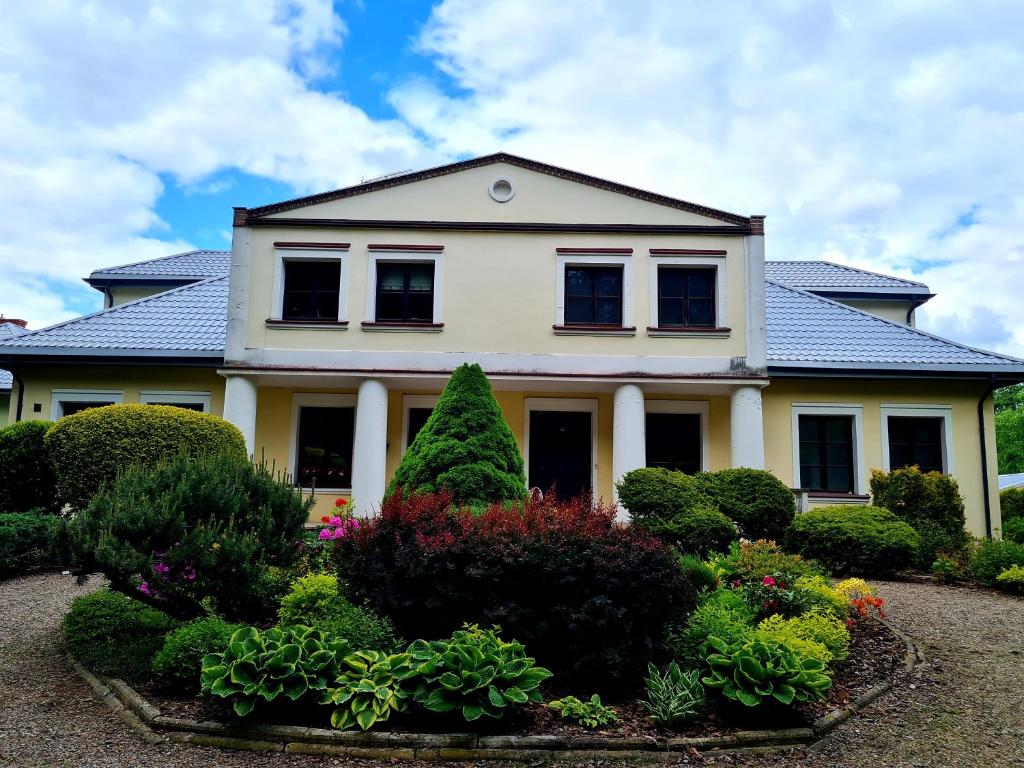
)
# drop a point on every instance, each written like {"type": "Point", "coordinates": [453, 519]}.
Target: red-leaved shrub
{"type": "Point", "coordinates": [589, 597]}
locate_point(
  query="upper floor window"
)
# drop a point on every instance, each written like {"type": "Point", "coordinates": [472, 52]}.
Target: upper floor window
{"type": "Point", "coordinates": [405, 292]}
{"type": "Point", "coordinates": [593, 295]}
{"type": "Point", "coordinates": [311, 289]}
{"type": "Point", "coordinates": [686, 297]}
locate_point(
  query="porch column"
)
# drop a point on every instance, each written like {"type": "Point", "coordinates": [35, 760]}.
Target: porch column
{"type": "Point", "coordinates": [369, 451]}
{"type": "Point", "coordinates": [629, 444]}
{"type": "Point", "coordinates": [747, 428]}
{"type": "Point", "coordinates": [240, 408]}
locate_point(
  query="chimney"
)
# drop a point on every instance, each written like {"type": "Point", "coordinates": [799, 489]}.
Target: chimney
{"type": "Point", "coordinates": [13, 321]}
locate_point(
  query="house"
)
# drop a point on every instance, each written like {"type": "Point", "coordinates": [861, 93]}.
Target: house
{"type": "Point", "coordinates": [619, 328]}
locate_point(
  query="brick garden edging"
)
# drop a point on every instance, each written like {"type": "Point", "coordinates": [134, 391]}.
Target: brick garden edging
{"type": "Point", "coordinates": [144, 718]}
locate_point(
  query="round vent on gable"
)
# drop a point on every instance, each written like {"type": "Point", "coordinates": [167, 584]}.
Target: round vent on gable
{"type": "Point", "coordinates": [502, 190]}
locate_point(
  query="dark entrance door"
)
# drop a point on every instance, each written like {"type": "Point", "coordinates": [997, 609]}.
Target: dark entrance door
{"type": "Point", "coordinates": [561, 452]}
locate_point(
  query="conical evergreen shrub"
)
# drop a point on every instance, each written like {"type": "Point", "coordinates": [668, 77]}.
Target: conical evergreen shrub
{"type": "Point", "coordinates": [465, 447]}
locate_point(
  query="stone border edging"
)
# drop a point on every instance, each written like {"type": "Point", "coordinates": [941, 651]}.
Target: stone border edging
{"type": "Point", "coordinates": [142, 717]}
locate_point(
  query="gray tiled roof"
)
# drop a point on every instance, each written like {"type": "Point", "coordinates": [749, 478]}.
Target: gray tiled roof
{"type": "Point", "coordinates": [825, 276]}
{"type": "Point", "coordinates": [186, 321]}
{"type": "Point", "coordinates": [191, 264]}
{"type": "Point", "coordinates": [805, 330]}
{"type": "Point", "coordinates": [8, 331]}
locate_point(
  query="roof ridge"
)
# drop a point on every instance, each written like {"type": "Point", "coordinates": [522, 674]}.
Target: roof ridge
{"type": "Point", "coordinates": [132, 303]}
{"type": "Point", "coordinates": [158, 258]}
{"type": "Point", "coordinates": [490, 159]}
{"type": "Point", "coordinates": [848, 268]}
{"type": "Point", "coordinates": [893, 323]}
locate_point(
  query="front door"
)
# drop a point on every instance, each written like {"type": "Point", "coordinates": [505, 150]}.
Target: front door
{"type": "Point", "coordinates": [561, 452]}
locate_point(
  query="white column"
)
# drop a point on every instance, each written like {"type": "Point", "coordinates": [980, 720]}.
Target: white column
{"type": "Point", "coordinates": [369, 452]}
{"type": "Point", "coordinates": [747, 428]}
{"type": "Point", "coordinates": [629, 443]}
{"type": "Point", "coordinates": [240, 407]}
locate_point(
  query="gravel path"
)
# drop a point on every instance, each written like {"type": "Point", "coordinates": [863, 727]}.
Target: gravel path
{"type": "Point", "coordinates": [965, 707]}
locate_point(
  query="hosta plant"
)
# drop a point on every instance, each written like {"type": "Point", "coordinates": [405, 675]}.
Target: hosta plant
{"type": "Point", "coordinates": [368, 688]}
{"type": "Point", "coordinates": [477, 671]}
{"type": "Point", "coordinates": [590, 714]}
{"type": "Point", "coordinates": [673, 695]}
{"type": "Point", "coordinates": [757, 672]}
{"type": "Point", "coordinates": [288, 662]}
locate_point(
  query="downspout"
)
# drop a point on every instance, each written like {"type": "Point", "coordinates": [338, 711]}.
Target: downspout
{"type": "Point", "coordinates": [984, 455]}
{"type": "Point", "coordinates": [21, 395]}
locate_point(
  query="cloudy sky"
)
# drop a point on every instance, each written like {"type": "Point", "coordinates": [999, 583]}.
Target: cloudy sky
{"type": "Point", "coordinates": [888, 135]}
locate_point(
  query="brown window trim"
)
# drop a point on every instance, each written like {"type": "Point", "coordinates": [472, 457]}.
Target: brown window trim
{"type": "Point", "coordinates": [324, 323]}
{"type": "Point", "coordinates": [686, 252]}
{"type": "Point", "coordinates": [325, 246]}
{"type": "Point", "coordinates": [838, 495]}
{"type": "Point", "coordinates": [595, 328]}
{"type": "Point", "coordinates": [695, 329]}
{"type": "Point", "coordinates": [584, 251]}
{"type": "Point", "coordinates": [402, 247]}
{"type": "Point", "coordinates": [383, 325]}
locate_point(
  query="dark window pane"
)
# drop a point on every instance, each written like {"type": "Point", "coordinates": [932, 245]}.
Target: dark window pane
{"type": "Point", "coordinates": [311, 290]}
{"type": "Point", "coordinates": [68, 407]}
{"type": "Point", "coordinates": [405, 292]}
{"type": "Point", "coordinates": [826, 453]}
{"type": "Point", "coordinates": [325, 447]}
{"type": "Point", "coordinates": [687, 296]}
{"type": "Point", "coordinates": [593, 295]}
{"type": "Point", "coordinates": [417, 418]}
{"type": "Point", "coordinates": [916, 441]}
{"type": "Point", "coordinates": [674, 441]}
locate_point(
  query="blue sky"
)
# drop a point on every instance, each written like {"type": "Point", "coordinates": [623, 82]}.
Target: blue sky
{"type": "Point", "coordinates": [888, 137]}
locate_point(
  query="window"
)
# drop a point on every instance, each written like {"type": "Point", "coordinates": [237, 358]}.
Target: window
{"type": "Point", "coordinates": [417, 418]}
{"type": "Point", "coordinates": [827, 452]}
{"type": "Point", "coordinates": [686, 297]}
{"type": "Point", "coordinates": [593, 295]}
{"type": "Point", "coordinates": [416, 409]}
{"type": "Point", "coordinates": [324, 446]}
{"type": "Point", "coordinates": [65, 402]}
{"type": "Point", "coordinates": [405, 292]}
{"type": "Point", "coordinates": [311, 289]}
{"type": "Point", "coordinates": [674, 441]}
{"type": "Point", "coordinates": [193, 401]}
{"type": "Point", "coordinates": [916, 440]}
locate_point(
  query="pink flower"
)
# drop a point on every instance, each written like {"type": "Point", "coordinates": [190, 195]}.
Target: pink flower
{"type": "Point", "coordinates": [144, 588]}
{"type": "Point", "coordinates": [162, 568]}
{"type": "Point", "coordinates": [736, 584]}
{"type": "Point", "coordinates": [339, 532]}
{"type": "Point", "coordinates": [335, 521]}
{"type": "Point", "coordinates": [768, 581]}
{"type": "Point", "coordinates": [353, 523]}
{"type": "Point", "coordinates": [325, 534]}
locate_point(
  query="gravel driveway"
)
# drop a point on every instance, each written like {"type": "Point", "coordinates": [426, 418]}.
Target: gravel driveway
{"type": "Point", "coordinates": [965, 707]}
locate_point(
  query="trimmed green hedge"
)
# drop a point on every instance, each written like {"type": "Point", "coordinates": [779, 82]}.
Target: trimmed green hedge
{"type": "Point", "coordinates": [26, 475]}
{"type": "Point", "coordinates": [29, 540]}
{"type": "Point", "coordinates": [868, 541]}
{"type": "Point", "coordinates": [178, 664]}
{"type": "Point", "coordinates": [1011, 502]}
{"type": "Point", "coordinates": [655, 492]}
{"type": "Point", "coordinates": [755, 499]}
{"type": "Point", "coordinates": [90, 447]}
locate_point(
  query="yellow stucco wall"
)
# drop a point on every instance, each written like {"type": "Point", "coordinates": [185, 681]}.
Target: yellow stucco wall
{"type": "Point", "coordinates": [124, 294]}
{"type": "Point", "coordinates": [130, 380]}
{"type": "Point", "coordinates": [890, 310]}
{"type": "Point", "coordinates": [5, 400]}
{"type": "Point", "coordinates": [962, 398]}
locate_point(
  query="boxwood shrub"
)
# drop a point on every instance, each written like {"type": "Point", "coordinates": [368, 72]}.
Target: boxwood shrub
{"type": "Point", "coordinates": [178, 664]}
{"type": "Point", "coordinates": [589, 597]}
{"type": "Point", "coordinates": [755, 499]}
{"type": "Point", "coordinates": [867, 541]}
{"type": "Point", "coordinates": [992, 557]}
{"type": "Point", "coordinates": [90, 447]}
{"type": "Point", "coordinates": [1011, 503]}
{"type": "Point", "coordinates": [114, 635]}
{"type": "Point", "coordinates": [26, 475]}
{"type": "Point", "coordinates": [1013, 529]}
{"type": "Point", "coordinates": [29, 540]}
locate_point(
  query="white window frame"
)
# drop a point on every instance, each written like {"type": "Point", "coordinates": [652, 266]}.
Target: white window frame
{"type": "Point", "coordinates": [700, 407]}
{"type": "Point", "coordinates": [584, 259]}
{"type": "Point", "coordinates": [409, 402]}
{"type": "Point", "coordinates": [855, 410]}
{"type": "Point", "coordinates": [577, 404]}
{"type": "Point", "coordinates": [703, 262]}
{"type": "Point", "coordinates": [399, 256]}
{"type": "Point", "coordinates": [284, 254]}
{"type": "Point", "coordinates": [115, 396]}
{"type": "Point", "coordinates": [944, 412]}
{"type": "Point", "coordinates": [316, 400]}
{"type": "Point", "coordinates": [148, 396]}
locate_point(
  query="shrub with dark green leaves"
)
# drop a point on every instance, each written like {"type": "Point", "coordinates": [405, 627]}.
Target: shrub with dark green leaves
{"type": "Point", "coordinates": [466, 448]}
{"type": "Point", "coordinates": [1013, 529]}
{"type": "Point", "coordinates": [89, 448]}
{"type": "Point", "coordinates": [179, 663]}
{"type": "Point", "coordinates": [755, 499]}
{"type": "Point", "coordinates": [931, 503]}
{"type": "Point", "coordinates": [193, 529]}
{"type": "Point", "coordinates": [992, 557]}
{"type": "Point", "coordinates": [26, 474]}
{"type": "Point", "coordinates": [701, 575]}
{"type": "Point", "coordinates": [476, 672]}
{"type": "Point", "coordinates": [292, 663]}
{"type": "Point", "coordinates": [656, 493]}
{"type": "Point", "coordinates": [1011, 503]}
{"type": "Point", "coordinates": [113, 635]}
{"type": "Point", "coordinates": [756, 672]}
{"type": "Point", "coordinates": [30, 540]}
{"type": "Point", "coordinates": [370, 685]}
{"type": "Point", "coordinates": [590, 714]}
{"type": "Point", "coordinates": [866, 541]}
{"type": "Point", "coordinates": [698, 531]}
{"type": "Point", "coordinates": [316, 601]}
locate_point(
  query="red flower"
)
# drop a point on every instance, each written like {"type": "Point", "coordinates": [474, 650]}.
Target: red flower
{"type": "Point", "coordinates": [768, 581]}
{"type": "Point", "coordinates": [325, 519]}
{"type": "Point", "coordinates": [340, 502]}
